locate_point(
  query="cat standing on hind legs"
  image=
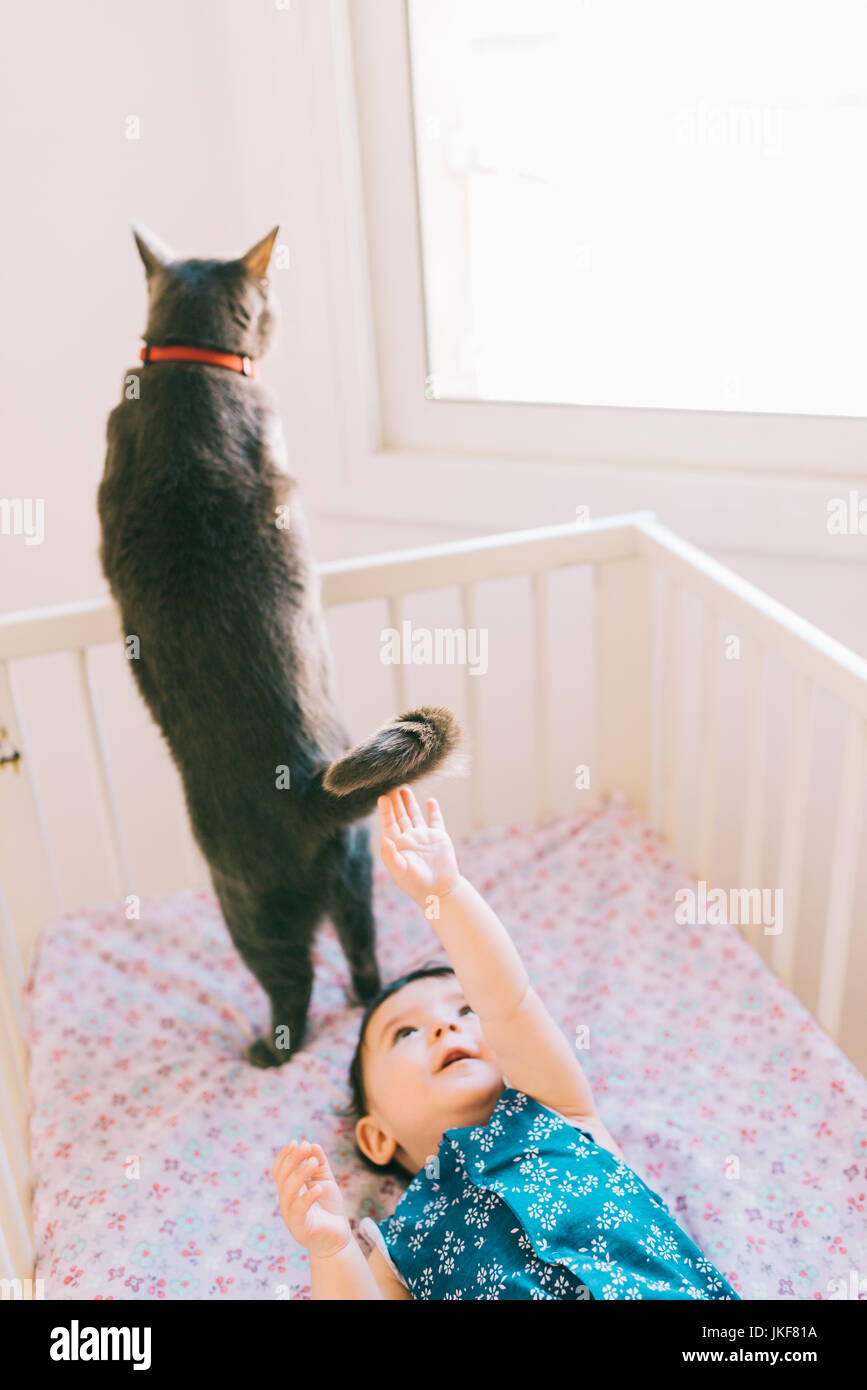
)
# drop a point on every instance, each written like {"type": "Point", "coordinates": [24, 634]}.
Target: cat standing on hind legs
{"type": "Point", "coordinates": [233, 654]}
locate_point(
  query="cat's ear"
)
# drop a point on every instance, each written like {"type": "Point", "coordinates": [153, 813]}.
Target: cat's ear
{"type": "Point", "coordinates": [154, 253]}
{"type": "Point", "coordinates": [256, 260]}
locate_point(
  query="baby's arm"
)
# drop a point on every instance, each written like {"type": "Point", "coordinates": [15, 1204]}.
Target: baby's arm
{"type": "Point", "coordinates": [312, 1207]}
{"type": "Point", "coordinates": [533, 1053]}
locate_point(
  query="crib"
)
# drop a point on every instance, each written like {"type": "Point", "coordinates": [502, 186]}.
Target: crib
{"type": "Point", "coordinates": [651, 624]}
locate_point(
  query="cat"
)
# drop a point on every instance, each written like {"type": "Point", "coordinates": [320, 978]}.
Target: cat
{"type": "Point", "coordinates": [233, 660]}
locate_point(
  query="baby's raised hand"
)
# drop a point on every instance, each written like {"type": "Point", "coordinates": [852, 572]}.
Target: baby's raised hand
{"type": "Point", "coordinates": [420, 857]}
{"type": "Point", "coordinates": [315, 1215]}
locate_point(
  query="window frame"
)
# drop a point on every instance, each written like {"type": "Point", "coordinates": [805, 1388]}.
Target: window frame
{"type": "Point", "coordinates": [411, 423]}
{"type": "Point", "coordinates": [390, 470]}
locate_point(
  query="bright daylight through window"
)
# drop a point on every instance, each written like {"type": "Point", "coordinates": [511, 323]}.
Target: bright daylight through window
{"type": "Point", "coordinates": [628, 204]}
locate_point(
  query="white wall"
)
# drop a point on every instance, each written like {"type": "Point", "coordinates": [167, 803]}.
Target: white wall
{"type": "Point", "coordinates": [230, 130]}
{"type": "Point", "coordinates": [234, 114]}
{"type": "Point", "coordinates": [221, 157]}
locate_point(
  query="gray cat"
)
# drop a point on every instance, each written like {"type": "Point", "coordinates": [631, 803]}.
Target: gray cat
{"type": "Point", "coordinates": [234, 660]}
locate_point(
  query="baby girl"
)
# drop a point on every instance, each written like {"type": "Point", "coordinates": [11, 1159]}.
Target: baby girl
{"type": "Point", "coordinates": [462, 1078]}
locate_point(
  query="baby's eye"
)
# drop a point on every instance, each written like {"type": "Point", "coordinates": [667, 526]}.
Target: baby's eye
{"type": "Point", "coordinates": [465, 1009]}
{"type": "Point", "coordinates": [406, 1028]}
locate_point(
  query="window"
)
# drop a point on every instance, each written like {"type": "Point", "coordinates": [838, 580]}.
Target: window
{"type": "Point", "coordinates": [626, 204]}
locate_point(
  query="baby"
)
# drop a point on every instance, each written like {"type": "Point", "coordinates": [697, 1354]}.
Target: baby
{"type": "Point", "coordinates": [463, 1079]}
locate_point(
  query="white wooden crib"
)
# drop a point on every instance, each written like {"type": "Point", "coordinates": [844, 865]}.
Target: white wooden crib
{"type": "Point", "coordinates": [648, 631]}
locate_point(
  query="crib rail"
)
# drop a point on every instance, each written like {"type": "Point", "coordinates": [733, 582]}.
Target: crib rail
{"type": "Point", "coordinates": [637, 665]}
{"type": "Point", "coordinates": [818, 661]}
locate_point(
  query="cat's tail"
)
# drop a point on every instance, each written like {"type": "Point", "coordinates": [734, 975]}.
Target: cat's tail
{"type": "Point", "coordinates": [410, 746]}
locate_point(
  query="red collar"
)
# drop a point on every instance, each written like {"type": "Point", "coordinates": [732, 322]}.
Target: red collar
{"type": "Point", "coordinates": [245, 365]}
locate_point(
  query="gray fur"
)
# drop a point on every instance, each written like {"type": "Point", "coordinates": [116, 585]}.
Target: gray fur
{"type": "Point", "coordinates": [234, 663]}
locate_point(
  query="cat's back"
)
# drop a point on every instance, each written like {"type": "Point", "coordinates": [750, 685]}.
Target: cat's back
{"type": "Point", "coordinates": [186, 493]}
{"type": "Point", "coordinates": [180, 425]}
{"type": "Point", "coordinates": [190, 542]}
{"type": "Point", "coordinates": [220, 597]}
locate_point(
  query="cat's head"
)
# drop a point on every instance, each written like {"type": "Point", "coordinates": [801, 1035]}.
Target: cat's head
{"type": "Point", "coordinates": [227, 306]}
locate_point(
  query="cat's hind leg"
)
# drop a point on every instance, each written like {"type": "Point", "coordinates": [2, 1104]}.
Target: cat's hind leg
{"type": "Point", "coordinates": [272, 931]}
{"type": "Point", "coordinates": [350, 906]}
{"type": "Point", "coordinates": [289, 988]}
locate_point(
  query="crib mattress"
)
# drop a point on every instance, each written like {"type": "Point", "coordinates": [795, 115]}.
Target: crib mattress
{"type": "Point", "coordinates": [153, 1141]}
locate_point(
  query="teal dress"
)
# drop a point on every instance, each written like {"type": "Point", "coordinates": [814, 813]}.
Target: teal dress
{"type": "Point", "coordinates": [529, 1206]}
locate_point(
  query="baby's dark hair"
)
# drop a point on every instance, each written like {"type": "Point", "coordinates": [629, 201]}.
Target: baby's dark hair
{"type": "Point", "coordinates": [358, 1106]}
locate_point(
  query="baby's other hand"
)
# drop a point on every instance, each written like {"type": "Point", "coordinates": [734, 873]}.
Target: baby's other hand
{"type": "Point", "coordinates": [420, 858]}
{"type": "Point", "coordinates": [310, 1200]}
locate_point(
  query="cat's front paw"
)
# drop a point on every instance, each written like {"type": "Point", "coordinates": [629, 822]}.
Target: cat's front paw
{"type": "Point", "coordinates": [261, 1054]}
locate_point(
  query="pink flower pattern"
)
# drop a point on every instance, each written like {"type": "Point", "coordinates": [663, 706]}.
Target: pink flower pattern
{"type": "Point", "coordinates": [153, 1140]}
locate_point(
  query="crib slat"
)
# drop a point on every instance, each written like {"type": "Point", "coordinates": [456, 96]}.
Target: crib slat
{"type": "Point", "coordinates": [16, 1240]}
{"type": "Point", "coordinates": [11, 1012]}
{"type": "Point", "coordinates": [13, 1112]}
{"type": "Point", "coordinates": [671, 697]}
{"type": "Point", "coordinates": [841, 895]}
{"type": "Point", "coordinates": [7, 1264]}
{"type": "Point", "coordinates": [471, 687]}
{"type": "Point", "coordinates": [13, 1100]}
{"type": "Point", "coordinates": [657, 723]}
{"type": "Point", "coordinates": [15, 1190]}
{"type": "Point", "coordinates": [120, 861]}
{"type": "Point", "coordinates": [395, 620]}
{"type": "Point", "coordinates": [11, 1265]}
{"type": "Point", "coordinates": [783, 948]}
{"type": "Point", "coordinates": [708, 750]}
{"type": "Point", "coordinates": [623, 696]}
{"type": "Point", "coordinates": [541, 692]}
{"type": "Point", "coordinates": [18, 735]}
{"type": "Point", "coordinates": [10, 958]}
{"type": "Point", "coordinates": [755, 748]}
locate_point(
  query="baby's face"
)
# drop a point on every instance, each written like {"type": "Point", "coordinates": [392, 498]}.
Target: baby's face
{"type": "Point", "coordinates": [427, 1068]}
